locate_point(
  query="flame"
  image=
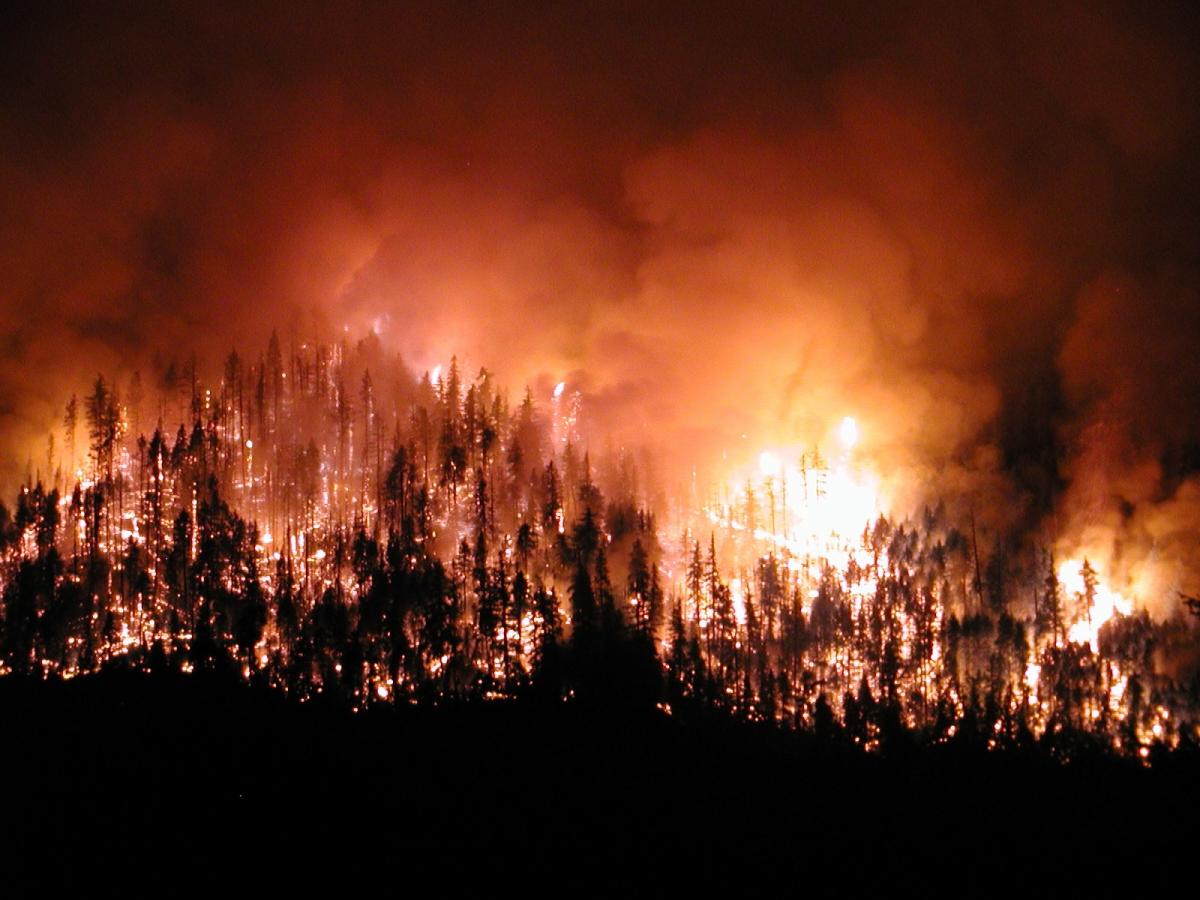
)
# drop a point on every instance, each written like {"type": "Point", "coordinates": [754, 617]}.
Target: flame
{"type": "Point", "coordinates": [789, 517]}
{"type": "Point", "coordinates": [794, 504]}
{"type": "Point", "coordinates": [848, 432]}
{"type": "Point", "coordinates": [768, 464]}
{"type": "Point", "coordinates": [1105, 604]}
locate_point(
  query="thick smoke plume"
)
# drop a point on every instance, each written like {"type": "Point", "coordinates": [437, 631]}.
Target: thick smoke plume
{"type": "Point", "coordinates": [727, 225]}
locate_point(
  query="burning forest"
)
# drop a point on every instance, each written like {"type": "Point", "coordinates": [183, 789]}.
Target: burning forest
{"type": "Point", "coordinates": [572, 425]}
{"type": "Point", "coordinates": [308, 522]}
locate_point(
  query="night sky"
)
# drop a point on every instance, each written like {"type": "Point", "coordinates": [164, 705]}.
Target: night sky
{"type": "Point", "coordinates": [975, 231]}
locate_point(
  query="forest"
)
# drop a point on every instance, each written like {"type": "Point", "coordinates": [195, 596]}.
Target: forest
{"type": "Point", "coordinates": [321, 523]}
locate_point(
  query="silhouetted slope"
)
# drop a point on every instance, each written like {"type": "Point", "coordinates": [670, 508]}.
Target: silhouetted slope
{"type": "Point", "coordinates": [131, 760]}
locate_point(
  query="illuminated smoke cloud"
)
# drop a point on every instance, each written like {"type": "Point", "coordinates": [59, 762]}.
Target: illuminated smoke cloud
{"type": "Point", "coordinates": [969, 232]}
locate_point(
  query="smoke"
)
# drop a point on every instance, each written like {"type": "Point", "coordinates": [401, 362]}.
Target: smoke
{"type": "Point", "coordinates": [728, 226]}
{"type": "Point", "coordinates": [1133, 381]}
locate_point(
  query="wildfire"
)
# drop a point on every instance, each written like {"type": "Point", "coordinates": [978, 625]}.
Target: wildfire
{"type": "Point", "coordinates": [792, 580]}
{"type": "Point", "coordinates": [799, 503]}
{"type": "Point", "coordinates": [1097, 601]}
{"type": "Point", "coordinates": [848, 432]}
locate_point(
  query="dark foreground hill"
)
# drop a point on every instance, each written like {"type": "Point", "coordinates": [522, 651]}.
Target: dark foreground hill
{"type": "Point", "coordinates": [131, 761]}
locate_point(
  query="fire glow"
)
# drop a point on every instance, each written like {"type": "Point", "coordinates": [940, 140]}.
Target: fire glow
{"type": "Point", "coordinates": [439, 540]}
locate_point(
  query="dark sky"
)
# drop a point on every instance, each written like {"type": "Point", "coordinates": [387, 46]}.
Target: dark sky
{"type": "Point", "coordinates": [975, 230]}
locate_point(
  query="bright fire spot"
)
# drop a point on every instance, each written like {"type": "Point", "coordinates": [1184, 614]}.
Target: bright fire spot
{"type": "Point", "coordinates": [381, 692]}
{"type": "Point", "coordinates": [848, 432]}
{"type": "Point", "coordinates": [1105, 604]}
{"type": "Point", "coordinates": [435, 376]}
{"type": "Point", "coordinates": [738, 595]}
{"type": "Point", "coordinates": [804, 509]}
{"type": "Point", "coordinates": [1032, 672]}
{"type": "Point", "coordinates": [559, 388]}
{"type": "Point", "coordinates": [249, 444]}
{"type": "Point", "coordinates": [768, 464]}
